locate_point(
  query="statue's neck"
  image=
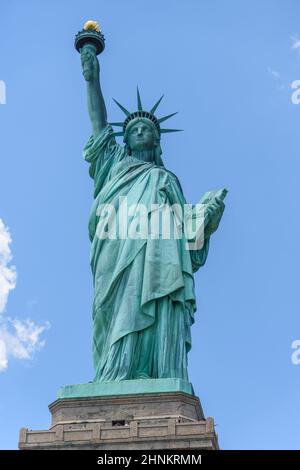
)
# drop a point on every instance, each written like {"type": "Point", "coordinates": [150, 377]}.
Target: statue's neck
{"type": "Point", "coordinates": [144, 155]}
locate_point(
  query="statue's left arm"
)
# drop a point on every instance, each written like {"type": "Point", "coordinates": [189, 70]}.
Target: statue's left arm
{"type": "Point", "coordinates": [213, 215]}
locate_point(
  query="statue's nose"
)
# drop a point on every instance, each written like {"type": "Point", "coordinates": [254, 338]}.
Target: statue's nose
{"type": "Point", "coordinates": [140, 131]}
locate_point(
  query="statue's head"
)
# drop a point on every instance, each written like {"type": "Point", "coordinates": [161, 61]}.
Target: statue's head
{"type": "Point", "coordinates": [141, 134]}
{"type": "Point", "coordinates": [141, 129]}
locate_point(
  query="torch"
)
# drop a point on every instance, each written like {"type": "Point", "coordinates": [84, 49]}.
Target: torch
{"type": "Point", "coordinates": [90, 34]}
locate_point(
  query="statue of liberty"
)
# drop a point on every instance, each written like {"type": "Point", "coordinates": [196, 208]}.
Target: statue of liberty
{"type": "Point", "coordinates": [146, 245]}
{"type": "Point", "coordinates": [144, 298]}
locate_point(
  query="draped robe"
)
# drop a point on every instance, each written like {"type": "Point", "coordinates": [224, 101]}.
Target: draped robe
{"type": "Point", "coordinates": [144, 299]}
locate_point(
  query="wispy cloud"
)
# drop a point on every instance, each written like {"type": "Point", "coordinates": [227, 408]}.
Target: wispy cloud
{"type": "Point", "coordinates": [274, 73]}
{"type": "Point", "coordinates": [18, 338]}
{"type": "Point", "coordinates": [295, 42]}
{"type": "Point", "coordinates": [277, 77]}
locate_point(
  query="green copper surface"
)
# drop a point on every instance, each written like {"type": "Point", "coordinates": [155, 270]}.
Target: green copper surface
{"type": "Point", "coordinates": [125, 387]}
{"type": "Point", "coordinates": [144, 293]}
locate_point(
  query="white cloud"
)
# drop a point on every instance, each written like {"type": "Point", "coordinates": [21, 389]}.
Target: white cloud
{"type": "Point", "coordinates": [8, 274]}
{"type": "Point", "coordinates": [18, 338]}
{"type": "Point", "coordinates": [277, 77]}
{"type": "Point", "coordinates": [3, 355]}
{"type": "Point", "coordinates": [295, 42]}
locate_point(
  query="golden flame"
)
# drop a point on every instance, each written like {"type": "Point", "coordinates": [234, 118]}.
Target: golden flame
{"type": "Point", "coordinates": [91, 25]}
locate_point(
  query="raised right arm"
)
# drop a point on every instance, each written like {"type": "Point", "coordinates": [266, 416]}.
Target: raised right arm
{"type": "Point", "coordinates": [95, 100]}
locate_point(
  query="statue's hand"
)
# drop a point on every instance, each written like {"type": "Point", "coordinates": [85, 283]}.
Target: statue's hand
{"type": "Point", "coordinates": [90, 64]}
{"type": "Point", "coordinates": [214, 214]}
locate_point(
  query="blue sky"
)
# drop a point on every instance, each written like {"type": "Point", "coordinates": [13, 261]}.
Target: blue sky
{"type": "Point", "coordinates": [227, 67]}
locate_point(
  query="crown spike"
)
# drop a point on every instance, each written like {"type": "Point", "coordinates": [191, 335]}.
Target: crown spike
{"type": "Point", "coordinates": [152, 111]}
{"type": "Point", "coordinates": [125, 111]}
{"type": "Point", "coordinates": [139, 101]}
{"type": "Point", "coordinates": [164, 131]}
{"type": "Point", "coordinates": [167, 117]}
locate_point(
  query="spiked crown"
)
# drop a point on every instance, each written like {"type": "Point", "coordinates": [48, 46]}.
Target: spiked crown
{"type": "Point", "coordinates": [140, 113]}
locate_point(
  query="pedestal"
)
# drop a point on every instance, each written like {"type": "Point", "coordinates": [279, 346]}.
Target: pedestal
{"type": "Point", "coordinates": [144, 420]}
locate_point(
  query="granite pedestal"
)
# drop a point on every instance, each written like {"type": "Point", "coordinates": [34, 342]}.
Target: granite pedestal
{"type": "Point", "coordinates": [101, 417]}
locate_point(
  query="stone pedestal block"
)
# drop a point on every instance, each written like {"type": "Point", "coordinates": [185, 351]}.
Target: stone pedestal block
{"type": "Point", "coordinates": [166, 420]}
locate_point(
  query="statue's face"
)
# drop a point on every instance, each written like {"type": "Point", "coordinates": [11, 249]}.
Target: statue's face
{"type": "Point", "coordinates": [141, 136]}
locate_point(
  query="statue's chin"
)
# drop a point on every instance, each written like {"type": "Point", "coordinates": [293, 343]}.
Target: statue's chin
{"type": "Point", "coordinates": [140, 147]}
